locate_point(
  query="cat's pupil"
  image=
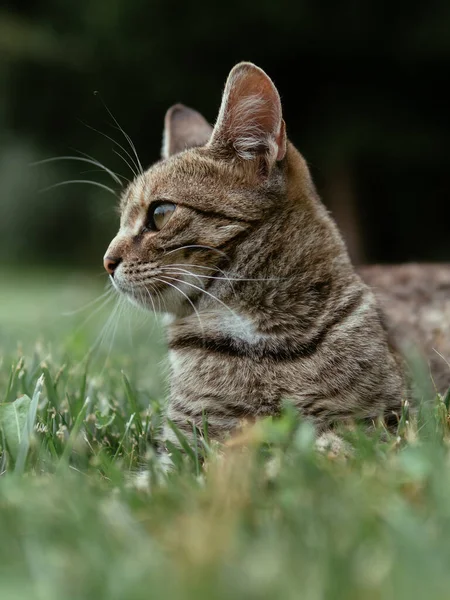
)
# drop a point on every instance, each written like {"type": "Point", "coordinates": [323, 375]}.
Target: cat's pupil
{"type": "Point", "coordinates": [161, 214]}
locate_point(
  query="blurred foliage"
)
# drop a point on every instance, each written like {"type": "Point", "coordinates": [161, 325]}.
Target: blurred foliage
{"type": "Point", "coordinates": [361, 84]}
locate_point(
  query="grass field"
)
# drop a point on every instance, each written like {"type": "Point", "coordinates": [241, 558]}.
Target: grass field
{"type": "Point", "coordinates": [268, 518]}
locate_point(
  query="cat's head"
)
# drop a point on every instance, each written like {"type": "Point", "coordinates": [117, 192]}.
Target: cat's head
{"type": "Point", "coordinates": [213, 186]}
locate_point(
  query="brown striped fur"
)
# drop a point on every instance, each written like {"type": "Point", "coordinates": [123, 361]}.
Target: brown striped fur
{"type": "Point", "coordinates": [268, 305]}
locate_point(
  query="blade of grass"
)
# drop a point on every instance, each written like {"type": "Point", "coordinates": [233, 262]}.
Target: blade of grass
{"type": "Point", "coordinates": [184, 443]}
{"type": "Point", "coordinates": [132, 400]}
{"type": "Point", "coordinates": [64, 460]}
{"type": "Point", "coordinates": [125, 433]}
{"type": "Point", "coordinates": [28, 429]}
{"type": "Point", "coordinates": [50, 388]}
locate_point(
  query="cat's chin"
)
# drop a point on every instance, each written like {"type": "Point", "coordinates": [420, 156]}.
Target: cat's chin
{"type": "Point", "coordinates": [164, 300]}
{"type": "Point", "coordinates": [164, 313]}
{"type": "Point", "coordinates": [163, 305]}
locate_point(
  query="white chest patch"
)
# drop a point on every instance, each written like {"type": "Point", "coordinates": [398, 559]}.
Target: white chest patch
{"type": "Point", "coordinates": [237, 326]}
{"type": "Point", "coordinates": [179, 361]}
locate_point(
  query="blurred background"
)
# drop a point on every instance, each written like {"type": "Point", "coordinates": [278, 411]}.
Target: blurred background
{"type": "Point", "coordinates": [363, 86]}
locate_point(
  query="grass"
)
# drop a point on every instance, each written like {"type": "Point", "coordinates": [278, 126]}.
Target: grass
{"type": "Point", "coordinates": [267, 518]}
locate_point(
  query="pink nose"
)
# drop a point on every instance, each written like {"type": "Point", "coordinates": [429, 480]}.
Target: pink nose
{"type": "Point", "coordinates": [111, 264]}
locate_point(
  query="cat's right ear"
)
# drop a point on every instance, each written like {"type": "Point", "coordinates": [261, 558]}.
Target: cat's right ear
{"type": "Point", "coordinates": [184, 128]}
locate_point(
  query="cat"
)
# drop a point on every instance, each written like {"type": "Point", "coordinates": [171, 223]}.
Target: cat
{"type": "Point", "coordinates": [226, 234]}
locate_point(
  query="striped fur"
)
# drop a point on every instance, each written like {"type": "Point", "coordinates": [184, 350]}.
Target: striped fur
{"type": "Point", "coordinates": [265, 303]}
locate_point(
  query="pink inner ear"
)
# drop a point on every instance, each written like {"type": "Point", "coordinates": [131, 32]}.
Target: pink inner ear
{"type": "Point", "coordinates": [254, 84]}
{"type": "Point", "coordinates": [184, 128]}
{"type": "Point", "coordinates": [250, 115]}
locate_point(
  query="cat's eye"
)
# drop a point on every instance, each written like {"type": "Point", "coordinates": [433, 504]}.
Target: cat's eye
{"type": "Point", "coordinates": [159, 214]}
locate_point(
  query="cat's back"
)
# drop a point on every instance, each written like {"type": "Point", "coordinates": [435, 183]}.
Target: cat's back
{"type": "Point", "coordinates": [415, 299]}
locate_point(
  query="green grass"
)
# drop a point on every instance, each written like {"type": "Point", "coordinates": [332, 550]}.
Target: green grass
{"type": "Point", "coordinates": [269, 517]}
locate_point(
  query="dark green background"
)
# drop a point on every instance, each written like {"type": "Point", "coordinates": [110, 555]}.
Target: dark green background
{"type": "Point", "coordinates": [363, 86]}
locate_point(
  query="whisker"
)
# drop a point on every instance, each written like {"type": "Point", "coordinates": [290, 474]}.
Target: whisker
{"type": "Point", "coordinates": [125, 161]}
{"type": "Point", "coordinates": [197, 246]}
{"type": "Point", "coordinates": [187, 298]}
{"type": "Point", "coordinates": [130, 331]}
{"type": "Point", "coordinates": [70, 181]}
{"type": "Point", "coordinates": [108, 137]}
{"type": "Point", "coordinates": [161, 302]}
{"type": "Point", "coordinates": [96, 160]}
{"type": "Point", "coordinates": [183, 265]}
{"type": "Point", "coordinates": [150, 298]}
{"type": "Point", "coordinates": [225, 275]}
{"type": "Point", "coordinates": [192, 265]}
{"type": "Point", "coordinates": [79, 159]}
{"type": "Point", "coordinates": [205, 292]}
{"type": "Point", "coordinates": [229, 278]}
{"type": "Point", "coordinates": [178, 271]}
{"type": "Point", "coordinates": [109, 292]}
{"type": "Point", "coordinates": [126, 136]}
{"type": "Point", "coordinates": [443, 357]}
{"type": "Point", "coordinates": [100, 337]}
{"type": "Point", "coordinates": [108, 323]}
{"type": "Point", "coordinates": [153, 314]}
{"type": "Point", "coordinates": [114, 331]}
{"type": "Point", "coordinates": [132, 146]}
{"type": "Point", "coordinates": [153, 307]}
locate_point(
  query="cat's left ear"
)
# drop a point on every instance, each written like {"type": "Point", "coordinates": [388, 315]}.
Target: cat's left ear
{"type": "Point", "coordinates": [250, 122]}
{"type": "Point", "coordinates": [184, 128]}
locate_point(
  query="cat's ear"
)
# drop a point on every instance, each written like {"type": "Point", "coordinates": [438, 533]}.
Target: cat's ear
{"type": "Point", "coordinates": [250, 122]}
{"type": "Point", "coordinates": [184, 128]}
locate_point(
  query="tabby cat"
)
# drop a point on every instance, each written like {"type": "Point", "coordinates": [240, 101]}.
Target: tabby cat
{"type": "Point", "coordinates": [226, 234]}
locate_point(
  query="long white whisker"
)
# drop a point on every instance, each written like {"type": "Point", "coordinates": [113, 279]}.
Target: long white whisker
{"type": "Point", "coordinates": [101, 335]}
{"type": "Point", "coordinates": [187, 298]}
{"type": "Point", "coordinates": [93, 313]}
{"type": "Point", "coordinates": [114, 331]}
{"type": "Point", "coordinates": [127, 310]}
{"type": "Point", "coordinates": [108, 137]}
{"type": "Point", "coordinates": [97, 161]}
{"type": "Point", "coordinates": [175, 271]}
{"type": "Point", "coordinates": [125, 161]}
{"type": "Point", "coordinates": [205, 292]}
{"type": "Point", "coordinates": [183, 265]}
{"type": "Point", "coordinates": [152, 314]}
{"type": "Point", "coordinates": [96, 183]}
{"type": "Point", "coordinates": [225, 275]}
{"type": "Point", "coordinates": [195, 266]}
{"type": "Point", "coordinates": [161, 302]}
{"type": "Point", "coordinates": [197, 246]}
{"type": "Point", "coordinates": [79, 159]}
{"type": "Point", "coordinates": [178, 271]}
{"type": "Point", "coordinates": [443, 357]}
{"type": "Point", "coordinates": [108, 323]}
{"type": "Point", "coordinates": [126, 136]}
{"type": "Point", "coordinates": [153, 306]}
{"type": "Point", "coordinates": [109, 292]}
{"type": "Point", "coordinates": [151, 300]}
{"type": "Point", "coordinates": [132, 146]}
{"type": "Point", "coordinates": [226, 278]}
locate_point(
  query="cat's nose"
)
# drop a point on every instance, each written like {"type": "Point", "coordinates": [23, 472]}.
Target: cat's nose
{"type": "Point", "coordinates": [111, 264]}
